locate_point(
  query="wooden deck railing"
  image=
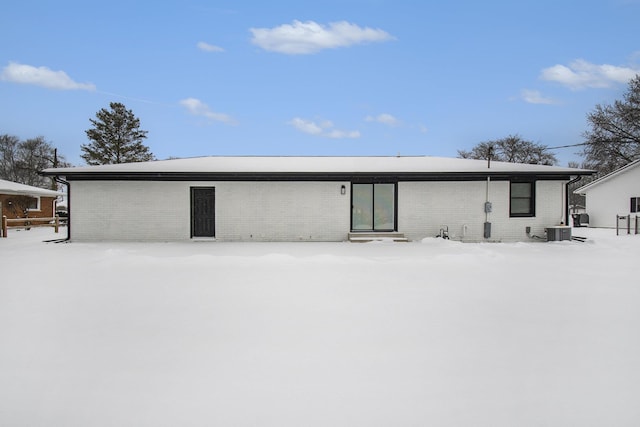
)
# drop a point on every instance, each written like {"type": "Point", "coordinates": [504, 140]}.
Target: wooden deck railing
{"type": "Point", "coordinates": [27, 223]}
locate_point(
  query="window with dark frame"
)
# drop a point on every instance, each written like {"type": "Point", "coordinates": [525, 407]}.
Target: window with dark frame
{"type": "Point", "coordinates": [635, 205]}
{"type": "Point", "coordinates": [522, 199]}
{"type": "Point", "coordinates": [33, 204]}
{"type": "Point", "coordinates": [373, 206]}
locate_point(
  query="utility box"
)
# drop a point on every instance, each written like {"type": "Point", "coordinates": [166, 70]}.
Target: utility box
{"type": "Point", "coordinates": [557, 233]}
{"type": "Point", "coordinates": [487, 230]}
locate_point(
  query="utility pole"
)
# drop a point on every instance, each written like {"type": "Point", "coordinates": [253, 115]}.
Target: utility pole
{"type": "Point", "coordinates": [54, 184]}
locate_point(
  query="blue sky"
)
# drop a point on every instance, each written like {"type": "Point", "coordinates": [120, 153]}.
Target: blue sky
{"type": "Point", "coordinates": [348, 77]}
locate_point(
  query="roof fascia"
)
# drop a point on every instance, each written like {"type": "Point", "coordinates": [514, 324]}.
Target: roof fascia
{"type": "Point", "coordinates": [607, 177]}
{"type": "Point", "coordinates": [312, 176]}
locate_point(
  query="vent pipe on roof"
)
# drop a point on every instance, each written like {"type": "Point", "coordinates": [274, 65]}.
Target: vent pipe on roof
{"type": "Point", "coordinates": [489, 154]}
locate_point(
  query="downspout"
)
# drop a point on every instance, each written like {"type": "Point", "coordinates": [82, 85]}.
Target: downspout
{"type": "Point", "coordinates": [487, 203]}
{"type": "Point", "coordinates": [65, 183]}
{"type": "Point", "coordinates": [566, 198]}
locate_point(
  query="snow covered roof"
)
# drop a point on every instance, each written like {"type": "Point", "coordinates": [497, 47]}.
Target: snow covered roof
{"type": "Point", "coordinates": [607, 177]}
{"type": "Point", "coordinates": [10, 187]}
{"type": "Point", "coordinates": [313, 165]}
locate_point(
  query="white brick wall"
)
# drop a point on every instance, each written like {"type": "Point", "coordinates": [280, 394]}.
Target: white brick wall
{"type": "Point", "coordinates": [245, 211]}
{"type": "Point", "coordinates": [425, 207]}
{"type": "Point", "coordinates": [129, 210]}
{"type": "Point", "coordinates": [299, 211]}
{"type": "Point", "coordinates": [282, 211]}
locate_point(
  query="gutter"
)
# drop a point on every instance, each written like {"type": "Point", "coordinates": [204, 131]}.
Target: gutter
{"type": "Point", "coordinates": [566, 198]}
{"type": "Point", "coordinates": [313, 176]}
{"type": "Point", "coordinates": [65, 183]}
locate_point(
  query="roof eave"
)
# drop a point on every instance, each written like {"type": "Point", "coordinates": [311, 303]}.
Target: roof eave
{"type": "Point", "coordinates": [607, 177]}
{"type": "Point", "coordinates": [310, 176]}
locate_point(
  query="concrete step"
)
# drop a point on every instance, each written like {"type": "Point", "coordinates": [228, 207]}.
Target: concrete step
{"type": "Point", "coordinates": [363, 237]}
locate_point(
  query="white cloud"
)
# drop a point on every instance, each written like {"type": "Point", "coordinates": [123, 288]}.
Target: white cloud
{"type": "Point", "coordinates": [198, 108]}
{"type": "Point", "coordinates": [209, 47]}
{"type": "Point", "coordinates": [306, 126]}
{"type": "Point", "coordinates": [41, 76]}
{"type": "Point", "coordinates": [311, 37]}
{"type": "Point", "coordinates": [535, 97]}
{"type": "Point", "coordinates": [581, 74]}
{"type": "Point", "coordinates": [384, 118]}
{"type": "Point", "coordinates": [341, 134]}
{"type": "Point", "coordinates": [324, 128]}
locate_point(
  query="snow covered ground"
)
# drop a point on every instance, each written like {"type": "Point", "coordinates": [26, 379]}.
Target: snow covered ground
{"type": "Point", "coordinates": [433, 333]}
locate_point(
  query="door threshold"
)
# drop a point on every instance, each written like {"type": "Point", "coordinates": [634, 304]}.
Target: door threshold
{"type": "Point", "coordinates": [394, 236]}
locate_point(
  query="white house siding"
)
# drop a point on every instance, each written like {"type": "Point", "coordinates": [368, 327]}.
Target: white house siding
{"type": "Point", "coordinates": [129, 210]}
{"type": "Point", "coordinates": [612, 197]}
{"type": "Point", "coordinates": [282, 211]}
{"type": "Point", "coordinates": [245, 211]}
{"type": "Point", "coordinates": [426, 207]}
{"type": "Point", "coordinates": [299, 211]}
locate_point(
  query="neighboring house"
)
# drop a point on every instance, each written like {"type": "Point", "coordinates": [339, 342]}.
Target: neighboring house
{"type": "Point", "coordinates": [25, 201]}
{"type": "Point", "coordinates": [617, 193]}
{"type": "Point", "coordinates": [314, 199]}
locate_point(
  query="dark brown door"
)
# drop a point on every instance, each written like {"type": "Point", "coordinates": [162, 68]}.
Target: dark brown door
{"type": "Point", "coordinates": [203, 208]}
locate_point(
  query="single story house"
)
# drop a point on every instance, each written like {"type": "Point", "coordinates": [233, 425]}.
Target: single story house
{"type": "Point", "coordinates": [247, 198]}
{"type": "Point", "coordinates": [22, 201]}
{"type": "Point", "coordinates": [617, 193]}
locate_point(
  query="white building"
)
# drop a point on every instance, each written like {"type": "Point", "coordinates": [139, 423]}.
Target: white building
{"type": "Point", "coordinates": [617, 193]}
{"type": "Point", "coordinates": [314, 199]}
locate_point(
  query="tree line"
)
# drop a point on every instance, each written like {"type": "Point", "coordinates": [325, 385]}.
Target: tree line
{"type": "Point", "coordinates": [115, 137]}
{"type": "Point", "coordinates": [612, 141]}
{"type": "Point", "coordinates": [21, 160]}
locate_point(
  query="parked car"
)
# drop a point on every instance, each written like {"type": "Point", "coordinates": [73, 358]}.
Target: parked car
{"type": "Point", "coordinates": [63, 215]}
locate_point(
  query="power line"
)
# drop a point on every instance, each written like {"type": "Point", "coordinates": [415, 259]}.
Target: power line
{"type": "Point", "coordinates": [567, 146]}
{"type": "Point", "coordinates": [590, 143]}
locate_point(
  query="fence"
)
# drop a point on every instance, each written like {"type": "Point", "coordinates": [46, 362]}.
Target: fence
{"type": "Point", "coordinates": [627, 219]}
{"type": "Point", "coordinates": [27, 223]}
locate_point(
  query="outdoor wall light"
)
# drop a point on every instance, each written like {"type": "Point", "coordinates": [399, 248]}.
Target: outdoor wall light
{"type": "Point", "coordinates": [343, 190]}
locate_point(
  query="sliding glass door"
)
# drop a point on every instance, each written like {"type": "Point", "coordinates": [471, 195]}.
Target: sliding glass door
{"type": "Point", "coordinates": [373, 207]}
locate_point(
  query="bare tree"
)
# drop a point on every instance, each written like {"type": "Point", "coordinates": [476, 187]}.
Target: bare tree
{"type": "Point", "coordinates": [614, 137]}
{"type": "Point", "coordinates": [513, 149]}
{"type": "Point", "coordinates": [21, 161]}
{"type": "Point", "coordinates": [8, 157]}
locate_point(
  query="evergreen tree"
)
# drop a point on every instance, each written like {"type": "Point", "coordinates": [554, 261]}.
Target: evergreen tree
{"type": "Point", "coordinates": [116, 137]}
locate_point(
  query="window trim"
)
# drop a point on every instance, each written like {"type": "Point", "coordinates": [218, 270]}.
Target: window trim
{"type": "Point", "coordinates": [38, 207]}
{"type": "Point", "coordinates": [532, 200]}
{"type": "Point", "coordinates": [373, 187]}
